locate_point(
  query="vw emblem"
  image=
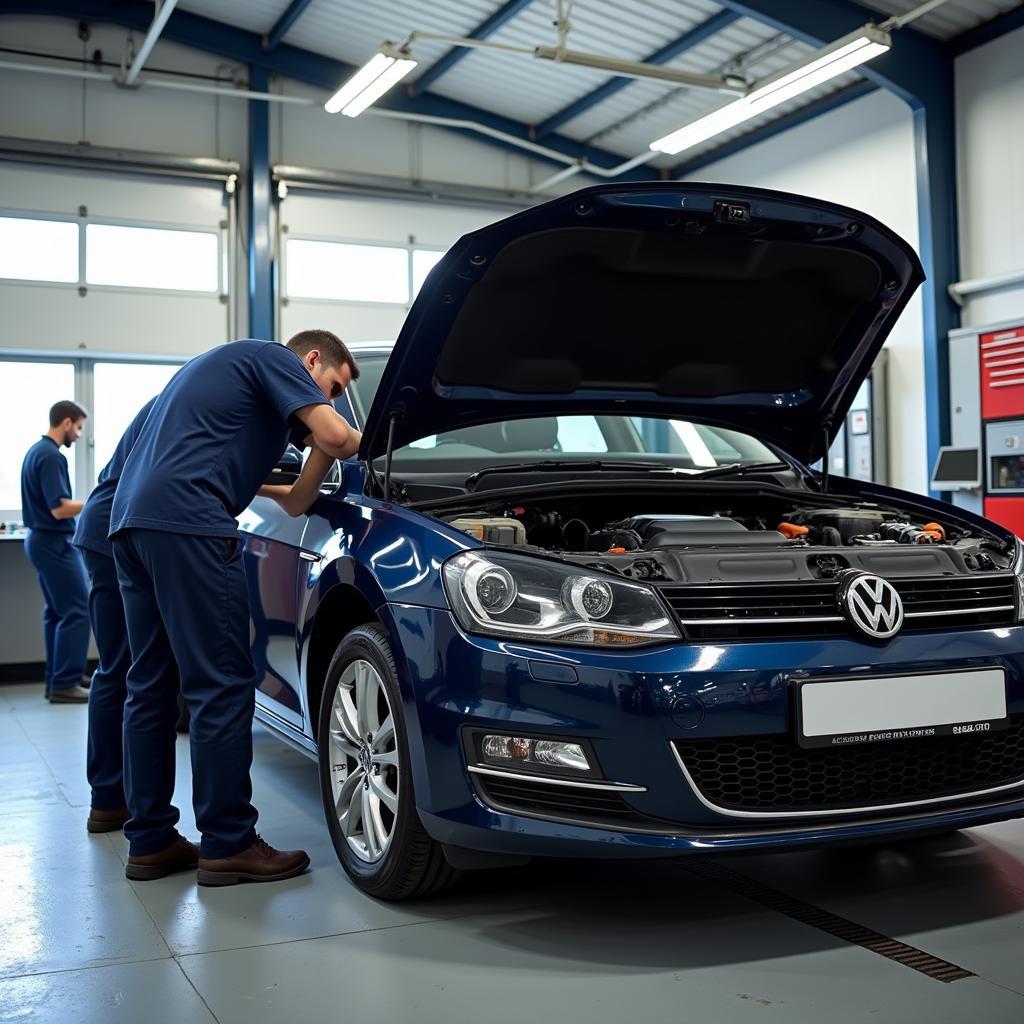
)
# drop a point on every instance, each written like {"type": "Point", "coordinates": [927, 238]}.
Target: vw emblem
{"type": "Point", "coordinates": [871, 604]}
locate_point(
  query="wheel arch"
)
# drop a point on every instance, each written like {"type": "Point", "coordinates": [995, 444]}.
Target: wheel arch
{"type": "Point", "coordinates": [342, 609]}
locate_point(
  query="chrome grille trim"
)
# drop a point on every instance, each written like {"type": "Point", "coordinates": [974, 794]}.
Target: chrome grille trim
{"type": "Point", "coordinates": [617, 787]}
{"type": "Point", "coordinates": [959, 611]}
{"type": "Point", "coordinates": [761, 622]}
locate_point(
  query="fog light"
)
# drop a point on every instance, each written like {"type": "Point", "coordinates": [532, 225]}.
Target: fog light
{"type": "Point", "coordinates": [549, 753]}
{"type": "Point", "coordinates": [564, 755]}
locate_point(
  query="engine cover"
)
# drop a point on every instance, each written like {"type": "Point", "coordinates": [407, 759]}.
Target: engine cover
{"type": "Point", "coordinates": [672, 531]}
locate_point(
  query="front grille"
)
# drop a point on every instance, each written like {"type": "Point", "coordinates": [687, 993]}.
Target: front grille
{"type": "Point", "coordinates": [525, 797]}
{"type": "Point", "coordinates": [771, 773]}
{"type": "Point", "coordinates": [810, 608]}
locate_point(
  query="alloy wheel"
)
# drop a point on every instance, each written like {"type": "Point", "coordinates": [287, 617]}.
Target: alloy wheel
{"type": "Point", "coordinates": [364, 761]}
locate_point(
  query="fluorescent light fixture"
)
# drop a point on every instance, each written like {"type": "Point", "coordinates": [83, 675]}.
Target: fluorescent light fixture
{"type": "Point", "coordinates": [369, 83]}
{"type": "Point", "coordinates": [834, 60]}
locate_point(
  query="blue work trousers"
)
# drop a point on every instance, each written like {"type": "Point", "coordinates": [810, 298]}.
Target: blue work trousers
{"type": "Point", "coordinates": [105, 758]}
{"type": "Point", "coordinates": [187, 610]}
{"type": "Point", "coordinates": [65, 606]}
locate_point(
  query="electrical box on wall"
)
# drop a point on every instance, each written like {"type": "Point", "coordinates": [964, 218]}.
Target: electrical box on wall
{"type": "Point", "coordinates": [1002, 373]}
{"type": "Point", "coordinates": [986, 368]}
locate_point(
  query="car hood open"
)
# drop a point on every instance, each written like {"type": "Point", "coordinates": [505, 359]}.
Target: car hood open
{"type": "Point", "coordinates": [750, 309]}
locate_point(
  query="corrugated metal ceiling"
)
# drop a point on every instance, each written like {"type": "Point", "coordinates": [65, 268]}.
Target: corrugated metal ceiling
{"type": "Point", "coordinates": [530, 90]}
{"type": "Point", "coordinates": [951, 18]}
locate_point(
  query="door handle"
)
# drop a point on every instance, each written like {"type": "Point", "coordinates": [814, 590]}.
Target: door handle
{"type": "Point", "coordinates": [309, 557]}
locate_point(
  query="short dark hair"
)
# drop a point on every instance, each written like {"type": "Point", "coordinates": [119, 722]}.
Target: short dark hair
{"type": "Point", "coordinates": [332, 349]}
{"type": "Point", "coordinates": [66, 410]}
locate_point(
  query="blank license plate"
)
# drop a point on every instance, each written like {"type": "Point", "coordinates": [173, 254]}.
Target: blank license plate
{"type": "Point", "coordinates": [840, 712]}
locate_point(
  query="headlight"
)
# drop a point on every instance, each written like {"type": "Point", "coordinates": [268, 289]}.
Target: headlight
{"type": "Point", "coordinates": [516, 596]}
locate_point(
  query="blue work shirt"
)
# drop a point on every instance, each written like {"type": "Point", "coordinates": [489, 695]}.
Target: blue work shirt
{"type": "Point", "coordinates": [44, 482]}
{"type": "Point", "coordinates": [94, 521]}
{"type": "Point", "coordinates": [212, 437]}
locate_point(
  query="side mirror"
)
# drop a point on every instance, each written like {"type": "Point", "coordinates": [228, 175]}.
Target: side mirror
{"type": "Point", "coordinates": [288, 467]}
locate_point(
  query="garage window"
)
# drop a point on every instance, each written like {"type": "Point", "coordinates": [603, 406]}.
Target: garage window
{"type": "Point", "coordinates": [423, 261]}
{"type": "Point", "coordinates": [30, 388]}
{"type": "Point", "coordinates": [347, 272]}
{"type": "Point", "coordinates": [119, 390]}
{"type": "Point", "coordinates": [132, 257]}
{"type": "Point", "coordinates": [38, 250]}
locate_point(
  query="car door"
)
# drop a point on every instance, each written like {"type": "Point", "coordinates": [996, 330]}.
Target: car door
{"type": "Point", "coordinates": [277, 564]}
{"type": "Point", "coordinates": [272, 556]}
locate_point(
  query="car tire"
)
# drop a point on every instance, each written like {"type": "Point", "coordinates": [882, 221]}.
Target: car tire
{"type": "Point", "coordinates": [406, 863]}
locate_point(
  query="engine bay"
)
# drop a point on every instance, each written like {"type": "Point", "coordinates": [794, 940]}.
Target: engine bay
{"type": "Point", "coordinates": [742, 540]}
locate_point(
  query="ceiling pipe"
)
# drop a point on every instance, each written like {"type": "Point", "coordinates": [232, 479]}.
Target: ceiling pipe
{"type": "Point", "coordinates": [159, 83]}
{"type": "Point", "coordinates": [961, 290]}
{"type": "Point", "coordinates": [573, 164]}
{"type": "Point", "coordinates": [602, 62]}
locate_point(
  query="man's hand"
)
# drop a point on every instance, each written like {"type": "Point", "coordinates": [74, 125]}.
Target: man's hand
{"type": "Point", "coordinates": [330, 432]}
{"type": "Point", "coordinates": [67, 509]}
{"type": "Point", "coordinates": [297, 498]}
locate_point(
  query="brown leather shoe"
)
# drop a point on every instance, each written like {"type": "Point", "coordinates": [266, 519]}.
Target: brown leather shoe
{"type": "Point", "coordinates": [260, 863]}
{"type": "Point", "coordinates": [72, 695]}
{"type": "Point", "coordinates": [181, 855]}
{"type": "Point", "coordinates": [107, 821]}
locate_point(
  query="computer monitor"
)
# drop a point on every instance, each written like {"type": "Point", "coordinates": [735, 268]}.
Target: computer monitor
{"type": "Point", "coordinates": [957, 469]}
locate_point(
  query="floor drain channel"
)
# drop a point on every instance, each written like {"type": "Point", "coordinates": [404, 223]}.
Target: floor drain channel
{"type": "Point", "coordinates": [823, 920]}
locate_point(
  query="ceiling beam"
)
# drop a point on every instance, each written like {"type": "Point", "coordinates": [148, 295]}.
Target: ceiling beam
{"type": "Point", "coordinates": [687, 41]}
{"type": "Point", "coordinates": [506, 12]}
{"type": "Point", "coordinates": [987, 32]}
{"type": "Point", "coordinates": [314, 69]}
{"type": "Point", "coordinates": [292, 13]}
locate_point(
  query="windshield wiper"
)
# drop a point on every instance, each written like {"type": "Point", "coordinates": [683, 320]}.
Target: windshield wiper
{"type": "Point", "coordinates": [735, 468]}
{"type": "Point", "coordinates": [561, 466]}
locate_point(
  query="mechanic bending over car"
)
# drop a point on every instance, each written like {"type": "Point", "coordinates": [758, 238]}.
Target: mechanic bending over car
{"type": "Point", "coordinates": [209, 442]}
{"type": "Point", "coordinates": [104, 759]}
{"type": "Point", "coordinates": [49, 515]}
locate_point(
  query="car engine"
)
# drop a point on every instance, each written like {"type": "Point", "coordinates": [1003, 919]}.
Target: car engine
{"type": "Point", "coordinates": [737, 545]}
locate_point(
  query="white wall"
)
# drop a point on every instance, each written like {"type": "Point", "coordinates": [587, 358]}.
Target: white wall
{"type": "Point", "coordinates": [861, 155]}
{"type": "Point", "coordinates": [190, 124]}
{"type": "Point", "coordinates": [68, 110]}
{"type": "Point", "coordinates": [307, 137]}
{"type": "Point", "coordinates": [990, 151]}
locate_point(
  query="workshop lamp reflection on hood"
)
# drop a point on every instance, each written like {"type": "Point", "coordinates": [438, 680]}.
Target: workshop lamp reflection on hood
{"type": "Point", "coordinates": [370, 82]}
{"type": "Point", "coordinates": [823, 65]}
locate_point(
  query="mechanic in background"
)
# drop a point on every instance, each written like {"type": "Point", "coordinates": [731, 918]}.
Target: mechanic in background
{"type": "Point", "coordinates": [49, 513]}
{"type": "Point", "coordinates": [207, 446]}
{"type": "Point", "coordinates": [104, 761]}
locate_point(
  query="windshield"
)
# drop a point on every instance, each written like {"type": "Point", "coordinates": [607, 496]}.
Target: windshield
{"type": "Point", "coordinates": [692, 447]}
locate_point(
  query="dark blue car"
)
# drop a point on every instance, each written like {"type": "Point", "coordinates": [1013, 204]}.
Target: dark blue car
{"type": "Point", "coordinates": [581, 595]}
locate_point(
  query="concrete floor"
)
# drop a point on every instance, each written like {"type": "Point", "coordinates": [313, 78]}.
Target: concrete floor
{"type": "Point", "coordinates": [567, 941]}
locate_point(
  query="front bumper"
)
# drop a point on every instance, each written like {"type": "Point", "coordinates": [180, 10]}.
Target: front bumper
{"type": "Point", "coordinates": [631, 706]}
